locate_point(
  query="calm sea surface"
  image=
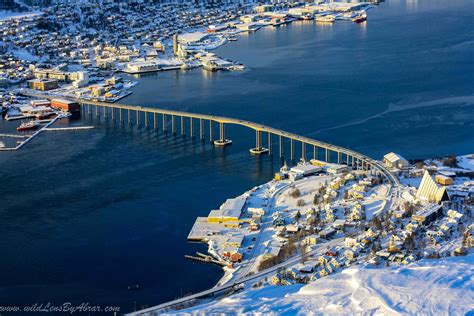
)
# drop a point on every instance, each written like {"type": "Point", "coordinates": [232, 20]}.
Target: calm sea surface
{"type": "Point", "coordinates": [86, 214]}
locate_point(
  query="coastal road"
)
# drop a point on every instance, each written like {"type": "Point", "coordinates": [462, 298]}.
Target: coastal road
{"type": "Point", "coordinates": [155, 310]}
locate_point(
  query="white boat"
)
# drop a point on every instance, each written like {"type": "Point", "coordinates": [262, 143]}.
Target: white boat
{"type": "Point", "coordinates": [325, 18]}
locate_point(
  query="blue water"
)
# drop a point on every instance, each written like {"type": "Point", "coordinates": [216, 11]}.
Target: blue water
{"type": "Point", "coordinates": [86, 214]}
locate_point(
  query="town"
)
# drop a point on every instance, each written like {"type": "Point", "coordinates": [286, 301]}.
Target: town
{"type": "Point", "coordinates": [71, 49]}
{"type": "Point", "coordinates": [331, 216]}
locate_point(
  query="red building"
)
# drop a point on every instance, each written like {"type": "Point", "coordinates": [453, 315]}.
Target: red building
{"type": "Point", "coordinates": [65, 105]}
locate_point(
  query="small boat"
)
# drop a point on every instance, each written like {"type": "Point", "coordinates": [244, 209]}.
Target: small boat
{"type": "Point", "coordinates": [360, 18]}
{"type": "Point", "coordinates": [28, 126]}
{"type": "Point", "coordinates": [325, 18]}
{"type": "Point", "coordinates": [232, 38]}
{"type": "Point", "coordinates": [307, 17]}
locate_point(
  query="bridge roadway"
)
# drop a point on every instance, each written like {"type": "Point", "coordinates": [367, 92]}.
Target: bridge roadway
{"type": "Point", "coordinates": [259, 128]}
{"type": "Point", "coordinates": [155, 310]}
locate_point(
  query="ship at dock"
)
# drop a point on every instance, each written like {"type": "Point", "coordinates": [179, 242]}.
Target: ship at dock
{"type": "Point", "coordinates": [325, 18]}
{"type": "Point", "coordinates": [31, 125]}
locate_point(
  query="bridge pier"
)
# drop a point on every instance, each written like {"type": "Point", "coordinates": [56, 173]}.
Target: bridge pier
{"type": "Point", "coordinates": [315, 152]}
{"type": "Point", "coordinates": [173, 124]}
{"type": "Point", "coordinates": [222, 141]}
{"type": "Point", "coordinates": [201, 130]}
{"type": "Point", "coordinates": [339, 157]}
{"type": "Point", "coordinates": [155, 125]}
{"type": "Point", "coordinates": [327, 155]}
{"type": "Point", "coordinates": [137, 113]}
{"type": "Point", "coordinates": [292, 154]}
{"type": "Point", "coordinates": [258, 150]}
{"type": "Point", "coordinates": [183, 134]}
{"type": "Point", "coordinates": [211, 127]}
{"type": "Point", "coordinates": [191, 127]}
{"type": "Point", "coordinates": [281, 147]}
{"type": "Point", "coordinates": [129, 119]}
{"type": "Point", "coordinates": [270, 143]}
{"type": "Point", "coordinates": [164, 123]}
{"type": "Point", "coordinates": [303, 151]}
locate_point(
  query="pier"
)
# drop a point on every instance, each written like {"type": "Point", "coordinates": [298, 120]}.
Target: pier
{"type": "Point", "coordinates": [150, 118]}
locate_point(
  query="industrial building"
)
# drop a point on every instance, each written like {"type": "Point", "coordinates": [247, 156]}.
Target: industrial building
{"type": "Point", "coordinates": [65, 105]}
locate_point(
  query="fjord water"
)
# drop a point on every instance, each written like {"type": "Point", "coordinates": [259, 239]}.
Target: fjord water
{"type": "Point", "coordinates": [86, 214]}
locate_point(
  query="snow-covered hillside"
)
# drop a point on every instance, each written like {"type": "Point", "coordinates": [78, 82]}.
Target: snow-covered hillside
{"type": "Point", "coordinates": [428, 287]}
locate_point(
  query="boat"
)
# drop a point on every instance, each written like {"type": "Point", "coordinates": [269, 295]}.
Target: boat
{"type": "Point", "coordinates": [28, 126]}
{"type": "Point", "coordinates": [232, 38]}
{"type": "Point", "coordinates": [307, 16]}
{"type": "Point", "coordinates": [360, 18]}
{"type": "Point", "coordinates": [210, 65]}
{"type": "Point", "coordinates": [325, 18]}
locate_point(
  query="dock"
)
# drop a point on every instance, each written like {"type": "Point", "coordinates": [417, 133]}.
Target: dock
{"type": "Point", "coordinates": [200, 257]}
{"type": "Point", "coordinates": [32, 136]}
{"type": "Point", "coordinates": [73, 128]}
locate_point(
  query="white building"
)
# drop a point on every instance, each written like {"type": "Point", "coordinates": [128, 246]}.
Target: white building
{"type": "Point", "coordinates": [394, 160]}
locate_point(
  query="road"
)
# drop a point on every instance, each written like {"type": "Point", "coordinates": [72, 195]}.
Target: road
{"type": "Point", "coordinates": [155, 310]}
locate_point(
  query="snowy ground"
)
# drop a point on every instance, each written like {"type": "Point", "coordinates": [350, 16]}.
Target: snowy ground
{"type": "Point", "coordinates": [428, 287]}
{"type": "Point", "coordinates": [7, 15]}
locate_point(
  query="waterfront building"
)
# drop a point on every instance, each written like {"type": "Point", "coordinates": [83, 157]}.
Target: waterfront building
{"type": "Point", "coordinates": [395, 161]}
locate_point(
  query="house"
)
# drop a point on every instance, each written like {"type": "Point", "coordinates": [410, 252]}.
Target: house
{"type": "Point", "coordinates": [328, 232]}
{"type": "Point", "coordinates": [311, 240]}
{"type": "Point", "coordinates": [393, 160]}
{"type": "Point", "coordinates": [323, 260]}
{"type": "Point", "coordinates": [443, 180]}
{"type": "Point", "coordinates": [349, 254]}
{"type": "Point", "coordinates": [292, 228]}
{"type": "Point", "coordinates": [236, 257]}
{"type": "Point", "coordinates": [350, 242]}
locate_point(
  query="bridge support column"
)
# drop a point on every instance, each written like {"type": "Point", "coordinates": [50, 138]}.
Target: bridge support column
{"type": "Point", "coordinates": [120, 116]}
{"type": "Point", "coordinates": [269, 143]}
{"type": "Point", "coordinates": [129, 118]}
{"type": "Point", "coordinates": [137, 113]}
{"type": "Point", "coordinates": [191, 127]}
{"type": "Point", "coordinates": [146, 119]}
{"type": "Point", "coordinates": [155, 124]}
{"type": "Point", "coordinates": [258, 150]}
{"type": "Point", "coordinates": [292, 152]}
{"type": "Point", "coordinates": [327, 155]}
{"type": "Point", "coordinates": [182, 126]}
{"type": "Point", "coordinates": [211, 127]}
{"type": "Point", "coordinates": [303, 151]}
{"type": "Point", "coordinates": [163, 118]}
{"type": "Point", "coordinates": [281, 147]}
{"type": "Point", "coordinates": [339, 157]}
{"type": "Point", "coordinates": [201, 130]}
{"type": "Point", "coordinates": [315, 152]}
{"type": "Point", "coordinates": [222, 141]}
{"type": "Point", "coordinates": [173, 124]}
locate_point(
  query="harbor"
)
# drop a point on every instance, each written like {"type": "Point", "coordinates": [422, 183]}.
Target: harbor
{"type": "Point", "coordinates": [334, 82]}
